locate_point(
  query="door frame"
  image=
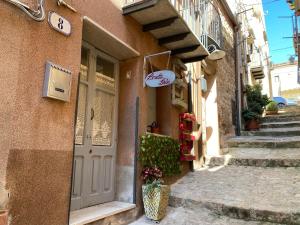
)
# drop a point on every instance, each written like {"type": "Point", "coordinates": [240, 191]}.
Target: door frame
{"type": "Point", "coordinates": [94, 52]}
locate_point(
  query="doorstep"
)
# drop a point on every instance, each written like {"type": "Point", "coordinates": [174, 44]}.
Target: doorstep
{"type": "Point", "coordinates": [98, 212]}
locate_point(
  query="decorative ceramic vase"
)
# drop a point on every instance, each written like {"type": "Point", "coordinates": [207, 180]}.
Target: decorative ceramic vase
{"type": "Point", "coordinates": [156, 201]}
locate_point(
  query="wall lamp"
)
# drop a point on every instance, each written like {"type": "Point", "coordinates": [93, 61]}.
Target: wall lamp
{"type": "Point", "coordinates": [215, 54]}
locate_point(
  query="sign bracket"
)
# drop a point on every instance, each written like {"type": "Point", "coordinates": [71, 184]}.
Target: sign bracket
{"type": "Point", "coordinates": [147, 57]}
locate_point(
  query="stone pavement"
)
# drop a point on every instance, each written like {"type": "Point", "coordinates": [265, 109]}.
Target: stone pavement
{"type": "Point", "coordinates": [263, 157]}
{"type": "Point", "coordinates": [242, 192]}
{"type": "Point", "coordinates": [257, 182]}
{"type": "Point", "coordinates": [197, 216]}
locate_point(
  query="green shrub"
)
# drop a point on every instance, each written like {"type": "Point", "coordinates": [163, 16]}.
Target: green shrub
{"type": "Point", "coordinates": [255, 99]}
{"type": "Point", "coordinates": [256, 102]}
{"type": "Point", "coordinates": [272, 106]}
{"type": "Point", "coordinates": [160, 151]}
{"type": "Point", "coordinates": [249, 115]}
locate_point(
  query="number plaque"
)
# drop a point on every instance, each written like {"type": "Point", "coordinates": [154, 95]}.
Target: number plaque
{"type": "Point", "coordinates": [59, 23]}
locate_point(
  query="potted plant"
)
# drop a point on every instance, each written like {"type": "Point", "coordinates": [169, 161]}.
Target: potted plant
{"type": "Point", "coordinates": [155, 194]}
{"type": "Point", "coordinates": [251, 120]}
{"type": "Point", "coordinates": [256, 103]}
{"type": "Point", "coordinates": [159, 156]}
{"type": "Point", "coordinates": [3, 205]}
{"type": "Point", "coordinates": [272, 108]}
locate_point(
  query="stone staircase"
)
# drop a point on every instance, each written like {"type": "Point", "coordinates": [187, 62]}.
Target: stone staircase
{"type": "Point", "coordinates": [257, 180]}
{"type": "Point", "coordinates": [256, 183]}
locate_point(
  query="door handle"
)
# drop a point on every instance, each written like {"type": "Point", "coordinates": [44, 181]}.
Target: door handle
{"type": "Point", "coordinates": [91, 151]}
{"type": "Point", "coordinates": [92, 113]}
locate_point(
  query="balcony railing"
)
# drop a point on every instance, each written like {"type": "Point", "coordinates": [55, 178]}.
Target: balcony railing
{"type": "Point", "coordinates": [256, 60]}
{"type": "Point", "coordinates": [256, 66]}
{"type": "Point", "coordinates": [201, 16]}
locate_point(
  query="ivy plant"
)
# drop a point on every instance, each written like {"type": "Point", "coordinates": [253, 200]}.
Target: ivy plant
{"type": "Point", "coordinates": [160, 151]}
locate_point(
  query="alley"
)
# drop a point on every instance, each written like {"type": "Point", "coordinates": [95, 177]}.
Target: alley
{"type": "Point", "coordinates": [256, 182]}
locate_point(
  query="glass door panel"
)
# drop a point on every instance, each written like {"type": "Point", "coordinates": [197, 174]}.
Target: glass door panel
{"type": "Point", "coordinates": [103, 118]}
{"type": "Point", "coordinates": [80, 120]}
{"type": "Point", "coordinates": [82, 98]}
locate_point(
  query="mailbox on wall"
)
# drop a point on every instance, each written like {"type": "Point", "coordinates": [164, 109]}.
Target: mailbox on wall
{"type": "Point", "coordinates": [57, 83]}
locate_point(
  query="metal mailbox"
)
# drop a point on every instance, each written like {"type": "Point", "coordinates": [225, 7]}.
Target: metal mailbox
{"type": "Point", "coordinates": [57, 83]}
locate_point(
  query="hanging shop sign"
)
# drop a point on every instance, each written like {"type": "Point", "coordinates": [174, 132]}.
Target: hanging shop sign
{"type": "Point", "coordinates": [59, 23]}
{"type": "Point", "coordinates": [160, 78]}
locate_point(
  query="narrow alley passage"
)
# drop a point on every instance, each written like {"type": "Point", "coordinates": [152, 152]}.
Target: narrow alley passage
{"type": "Point", "coordinates": [256, 182]}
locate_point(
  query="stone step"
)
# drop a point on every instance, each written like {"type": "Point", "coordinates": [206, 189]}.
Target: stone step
{"type": "Point", "coordinates": [249, 193]}
{"type": "Point", "coordinates": [285, 118]}
{"type": "Point", "coordinates": [291, 131]}
{"type": "Point", "coordinates": [260, 157]}
{"type": "Point", "coordinates": [264, 142]}
{"type": "Point", "coordinates": [198, 216]}
{"type": "Point", "coordinates": [280, 124]}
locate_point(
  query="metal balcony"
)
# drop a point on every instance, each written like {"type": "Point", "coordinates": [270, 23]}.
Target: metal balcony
{"type": "Point", "coordinates": [256, 66]}
{"type": "Point", "coordinates": [188, 29]}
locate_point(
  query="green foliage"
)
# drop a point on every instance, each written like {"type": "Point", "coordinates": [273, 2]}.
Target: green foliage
{"type": "Point", "coordinates": [150, 186]}
{"type": "Point", "coordinates": [249, 115]}
{"type": "Point", "coordinates": [160, 151]}
{"type": "Point", "coordinates": [272, 106]}
{"type": "Point", "coordinates": [256, 102]}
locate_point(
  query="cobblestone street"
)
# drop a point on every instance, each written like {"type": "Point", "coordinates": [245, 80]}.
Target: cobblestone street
{"type": "Point", "coordinates": [256, 182]}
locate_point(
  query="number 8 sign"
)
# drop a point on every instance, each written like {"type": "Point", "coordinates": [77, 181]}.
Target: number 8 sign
{"type": "Point", "coordinates": [59, 23]}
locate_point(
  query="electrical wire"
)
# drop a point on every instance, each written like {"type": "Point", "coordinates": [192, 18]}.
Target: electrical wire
{"type": "Point", "coordinates": [37, 15]}
{"type": "Point", "coordinates": [280, 49]}
{"type": "Point", "coordinates": [269, 2]}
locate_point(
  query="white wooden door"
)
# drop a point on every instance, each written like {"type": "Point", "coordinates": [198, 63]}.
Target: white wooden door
{"type": "Point", "coordinates": [96, 129]}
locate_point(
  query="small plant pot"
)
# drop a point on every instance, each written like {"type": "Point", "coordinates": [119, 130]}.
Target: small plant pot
{"type": "Point", "coordinates": [156, 201]}
{"type": "Point", "coordinates": [271, 112]}
{"type": "Point", "coordinates": [3, 217]}
{"type": "Point", "coordinates": [252, 125]}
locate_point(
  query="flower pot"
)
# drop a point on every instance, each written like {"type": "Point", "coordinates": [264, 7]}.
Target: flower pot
{"type": "Point", "coordinates": [252, 125]}
{"type": "Point", "coordinates": [271, 112]}
{"type": "Point", "coordinates": [156, 201]}
{"type": "Point", "coordinates": [3, 217]}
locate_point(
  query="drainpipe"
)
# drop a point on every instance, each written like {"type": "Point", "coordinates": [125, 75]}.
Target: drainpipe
{"type": "Point", "coordinates": [190, 108]}
{"type": "Point", "coordinates": [237, 81]}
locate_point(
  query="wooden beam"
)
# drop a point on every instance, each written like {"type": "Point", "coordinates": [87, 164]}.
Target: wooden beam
{"type": "Point", "coordinates": [184, 50]}
{"type": "Point", "coordinates": [194, 59]}
{"type": "Point", "coordinates": [159, 24]}
{"type": "Point", "coordinates": [173, 38]}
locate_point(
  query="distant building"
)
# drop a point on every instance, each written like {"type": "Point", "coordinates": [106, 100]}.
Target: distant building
{"type": "Point", "coordinates": [284, 80]}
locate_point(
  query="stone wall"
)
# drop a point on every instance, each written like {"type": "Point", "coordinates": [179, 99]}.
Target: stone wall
{"type": "Point", "coordinates": [226, 83]}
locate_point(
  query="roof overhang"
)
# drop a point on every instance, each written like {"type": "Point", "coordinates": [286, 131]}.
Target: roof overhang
{"type": "Point", "coordinates": [106, 41]}
{"type": "Point", "coordinates": [163, 21]}
{"type": "Point", "coordinates": [257, 72]}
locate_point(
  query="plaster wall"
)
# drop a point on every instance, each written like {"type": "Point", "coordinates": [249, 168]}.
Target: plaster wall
{"type": "Point", "coordinates": [284, 77]}
{"type": "Point", "coordinates": [36, 148]}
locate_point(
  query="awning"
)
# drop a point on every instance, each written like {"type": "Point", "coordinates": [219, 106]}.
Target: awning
{"type": "Point", "coordinates": [257, 72]}
{"type": "Point", "coordinates": [106, 41]}
{"type": "Point", "coordinates": [164, 22]}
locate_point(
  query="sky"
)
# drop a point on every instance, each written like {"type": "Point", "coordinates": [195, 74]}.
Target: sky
{"type": "Point", "coordinates": [277, 28]}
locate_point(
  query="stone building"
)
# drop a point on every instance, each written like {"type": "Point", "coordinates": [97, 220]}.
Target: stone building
{"type": "Point", "coordinates": [74, 100]}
